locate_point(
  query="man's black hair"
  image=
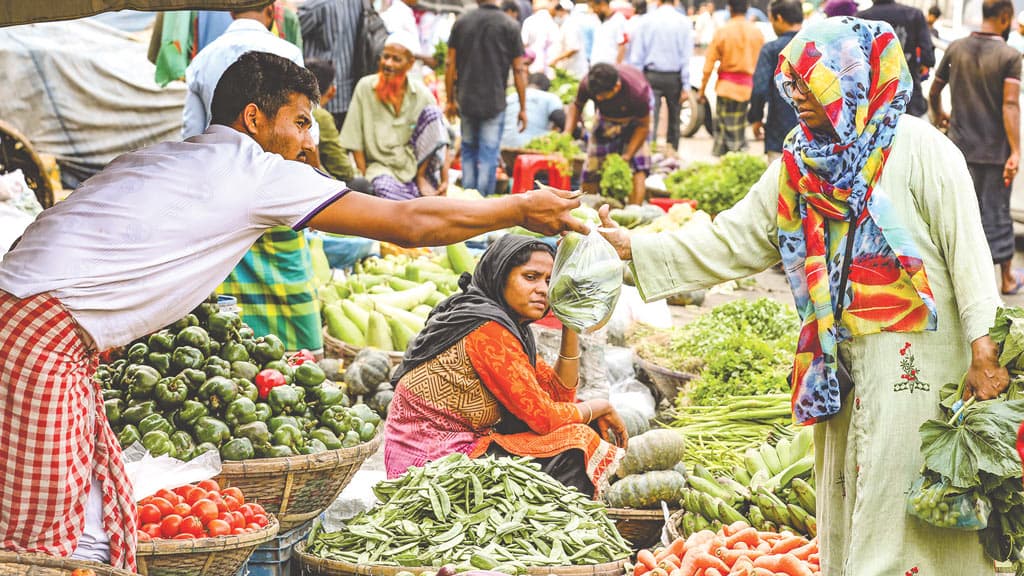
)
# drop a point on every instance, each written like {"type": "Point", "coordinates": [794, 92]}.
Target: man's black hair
{"type": "Point", "coordinates": [791, 11]}
{"type": "Point", "coordinates": [539, 81]}
{"type": "Point", "coordinates": [510, 6]}
{"type": "Point", "coordinates": [261, 78]}
{"type": "Point", "coordinates": [602, 78]}
{"type": "Point", "coordinates": [996, 8]}
{"type": "Point", "coordinates": [935, 11]}
{"type": "Point", "coordinates": [599, 1]}
{"type": "Point", "coordinates": [324, 71]}
{"type": "Point", "coordinates": [738, 6]}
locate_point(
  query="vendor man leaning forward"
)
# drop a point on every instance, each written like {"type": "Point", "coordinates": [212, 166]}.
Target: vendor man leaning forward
{"type": "Point", "coordinates": [394, 129]}
{"type": "Point", "coordinates": [139, 245]}
{"type": "Point", "coordinates": [624, 101]}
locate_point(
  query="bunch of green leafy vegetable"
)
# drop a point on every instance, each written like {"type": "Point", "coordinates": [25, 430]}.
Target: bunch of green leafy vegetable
{"type": "Point", "coordinates": [564, 85]}
{"type": "Point", "coordinates": [556, 143]}
{"type": "Point", "coordinates": [972, 448]}
{"type": "Point", "coordinates": [616, 178]}
{"type": "Point", "coordinates": [440, 55]}
{"type": "Point", "coordinates": [717, 187]}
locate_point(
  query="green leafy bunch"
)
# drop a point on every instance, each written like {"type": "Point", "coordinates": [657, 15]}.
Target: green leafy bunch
{"type": "Point", "coordinates": [559, 144]}
{"type": "Point", "coordinates": [564, 85]}
{"type": "Point", "coordinates": [717, 187]}
{"type": "Point", "coordinates": [616, 178]}
{"type": "Point", "coordinates": [440, 55]}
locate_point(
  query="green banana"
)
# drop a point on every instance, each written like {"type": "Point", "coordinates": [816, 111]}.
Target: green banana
{"type": "Point", "coordinates": [754, 462]}
{"type": "Point", "coordinates": [708, 507]}
{"type": "Point", "coordinates": [711, 487]}
{"type": "Point", "coordinates": [756, 516]}
{"type": "Point", "coordinates": [740, 474]}
{"type": "Point", "coordinates": [702, 472]}
{"type": "Point", "coordinates": [805, 494]}
{"type": "Point", "coordinates": [689, 523]}
{"type": "Point", "coordinates": [771, 458]}
{"type": "Point", "coordinates": [700, 522]}
{"type": "Point", "coordinates": [798, 515]}
{"type": "Point", "coordinates": [798, 468]}
{"type": "Point", "coordinates": [741, 491]}
{"type": "Point", "coordinates": [802, 444]}
{"type": "Point", "coordinates": [727, 514]}
{"type": "Point", "coordinates": [812, 526]}
{"type": "Point", "coordinates": [783, 452]}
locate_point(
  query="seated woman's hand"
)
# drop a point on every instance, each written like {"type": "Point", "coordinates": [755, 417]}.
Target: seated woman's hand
{"type": "Point", "coordinates": [612, 422]}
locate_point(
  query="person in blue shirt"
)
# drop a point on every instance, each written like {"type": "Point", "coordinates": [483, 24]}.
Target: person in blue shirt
{"type": "Point", "coordinates": [787, 17]}
{"type": "Point", "coordinates": [541, 105]}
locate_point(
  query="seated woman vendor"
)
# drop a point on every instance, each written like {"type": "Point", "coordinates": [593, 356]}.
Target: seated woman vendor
{"type": "Point", "coordinates": [471, 382]}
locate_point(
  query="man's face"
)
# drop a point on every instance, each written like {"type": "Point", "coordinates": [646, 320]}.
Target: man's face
{"type": "Point", "coordinates": [605, 96]}
{"type": "Point", "coordinates": [778, 25]}
{"type": "Point", "coordinates": [287, 133]}
{"type": "Point", "coordinates": [395, 61]}
{"type": "Point", "coordinates": [602, 9]}
{"type": "Point", "coordinates": [931, 19]}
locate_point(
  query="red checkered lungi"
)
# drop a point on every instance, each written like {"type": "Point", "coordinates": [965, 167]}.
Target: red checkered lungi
{"type": "Point", "coordinates": [54, 436]}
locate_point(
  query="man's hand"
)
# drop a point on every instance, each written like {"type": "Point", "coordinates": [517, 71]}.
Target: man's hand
{"type": "Point", "coordinates": [941, 120]}
{"type": "Point", "coordinates": [986, 379]}
{"type": "Point", "coordinates": [701, 97]}
{"type": "Point", "coordinates": [522, 119]}
{"type": "Point", "coordinates": [758, 128]}
{"type": "Point", "coordinates": [546, 211]}
{"type": "Point", "coordinates": [616, 236]}
{"type": "Point", "coordinates": [613, 422]}
{"type": "Point", "coordinates": [451, 110]}
{"type": "Point", "coordinates": [684, 96]}
{"type": "Point", "coordinates": [1011, 167]}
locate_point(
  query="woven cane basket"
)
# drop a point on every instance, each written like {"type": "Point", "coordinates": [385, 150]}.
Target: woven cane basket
{"type": "Point", "coordinates": [220, 556]}
{"type": "Point", "coordinates": [335, 348]}
{"type": "Point", "coordinates": [641, 527]}
{"type": "Point", "coordinates": [297, 488]}
{"type": "Point", "coordinates": [667, 382]}
{"type": "Point", "coordinates": [674, 525]}
{"type": "Point", "coordinates": [315, 566]}
{"type": "Point", "coordinates": [15, 564]}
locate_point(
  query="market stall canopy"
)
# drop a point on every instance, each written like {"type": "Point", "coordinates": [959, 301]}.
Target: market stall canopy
{"type": "Point", "coordinates": [30, 11]}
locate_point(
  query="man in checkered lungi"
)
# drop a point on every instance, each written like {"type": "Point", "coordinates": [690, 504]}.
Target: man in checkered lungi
{"type": "Point", "coordinates": [137, 247]}
{"type": "Point", "coordinates": [624, 101]}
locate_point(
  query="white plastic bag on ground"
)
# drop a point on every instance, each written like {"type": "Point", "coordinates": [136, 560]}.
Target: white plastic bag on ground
{"type": "Point", "coordinates": [585, 282]}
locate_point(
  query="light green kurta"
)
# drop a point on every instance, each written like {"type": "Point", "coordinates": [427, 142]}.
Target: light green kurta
{"type": "Point", "coordinates": [382, 135]}
{"type": "Point", "coordinates": [869, 454]}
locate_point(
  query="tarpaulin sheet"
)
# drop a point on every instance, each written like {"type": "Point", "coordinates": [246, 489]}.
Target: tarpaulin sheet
{"type": "Point", "coordinates": [84, 92]}
{"type": "Point", "coordinates": [27, 11]}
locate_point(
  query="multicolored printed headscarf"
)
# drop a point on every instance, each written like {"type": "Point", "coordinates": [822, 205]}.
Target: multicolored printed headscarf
{"type": "Point", "coordinates": [857, 71]}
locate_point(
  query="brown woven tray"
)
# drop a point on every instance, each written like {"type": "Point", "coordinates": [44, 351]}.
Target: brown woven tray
{"type": "Point", "coordinates": [314, 566]}
{"type": "Point", "coordinates": [641, 527]}
{"type": "Point", "coordinates": [16, 564]}
{"type": "Point", "coordinates": [667, 382]}
{"type": "Point", "coordinates": [297, 488]}
{"type": "Point", "coordinates": [220, 556]}
{"type": "Point", "coordinates": [335, 348]}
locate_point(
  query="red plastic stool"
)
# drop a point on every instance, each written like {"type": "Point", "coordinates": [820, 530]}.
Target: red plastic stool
{"type": "Point", "coordinates": [527, 166]}
{"type": "Point", "coordinates": [666, 203]}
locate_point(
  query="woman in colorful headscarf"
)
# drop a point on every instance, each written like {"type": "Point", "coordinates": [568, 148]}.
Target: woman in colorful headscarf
{"type": "Point", "coordinates": [471, 381]}
{"type": "Point", "coordinates": [862, 185]}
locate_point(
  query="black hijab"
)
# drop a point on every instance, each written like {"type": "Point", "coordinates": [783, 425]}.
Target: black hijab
{"type": "Point", "coordinates": [481, 301]}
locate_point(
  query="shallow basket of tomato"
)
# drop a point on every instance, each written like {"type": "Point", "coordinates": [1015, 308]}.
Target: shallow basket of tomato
{"type": "Point", "coordinates": [19, 564]}
{"type": "Point", "coordinates": [210, 556]}
{"type": "Point", "coordinates": [298, 488]}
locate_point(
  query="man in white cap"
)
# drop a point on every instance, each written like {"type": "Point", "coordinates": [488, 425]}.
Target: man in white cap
{"type": "Point", "coordinates": [395, 130]}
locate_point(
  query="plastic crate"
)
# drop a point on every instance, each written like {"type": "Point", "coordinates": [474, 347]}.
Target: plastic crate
{"type": "Point", "coordinates": [275, 557]}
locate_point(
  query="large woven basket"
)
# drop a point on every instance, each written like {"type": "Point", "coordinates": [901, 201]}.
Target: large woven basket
{"type": "Point", "coordinates": [667, 382]}
{"type": "Point", "coordinates": [335, 348]}
{"type": "Point", "coordinates": [15, 564]}
{"type": "Point", "coordinates": [315, 566]}
{"type": "Point", "coordinates": [641, 527]}
{"type": "Point", "coordinates": [673, 528]}
{"type": "Point", "coordinates": [297, 488]}
{"type": "Point", "coordinates": [220, 556]}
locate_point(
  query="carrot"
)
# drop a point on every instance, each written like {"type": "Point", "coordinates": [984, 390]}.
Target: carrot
{"type": "Point", "coordinates": [699, 538]}
{"type": "Point", "coordinates": [765, 547]}
{"type": "Point", "coordinates": [730, 557]}
{"type": "Point", "coordinates": [785, 563]}
{"type": "Point", "coordinates": [678, 547]}
{"type": "Point", "coordinates": [676, 572]}
{"type": "Point", "coordinates": [712, 572]}
{"type": "Point", "coordinates": [791, 543]}
{"type": "Point", "coordinates": [814, 558]}
{"type": "Point", "coordinates": [734, 528]}
{"type": "Point", "coordinates": [697, 559]}
{"type": "Point", "coordinates": [805, 551]}
{"type": "Point", "coordinates": [762, 572]}
{"type": "Point", "coordinates": [769, 536]}
{"type": "Point", "coordinates": [743, 567]}
{"type": "Point", "coordinates": [647, 559]}
{"type": "Point", "coordinates": [640, 569]}
{"type": "Point", "coordinates": [659, 572]}
{"type": "Point", "coordinates": [670, 562]}
{"type": "Point", "coordinates": [747, 536]}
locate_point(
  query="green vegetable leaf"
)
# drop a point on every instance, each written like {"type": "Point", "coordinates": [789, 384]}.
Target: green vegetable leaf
{"type": "Point", "coordinates": [1004, 317]}
{"type": "Point", "coordinates": [1013, 345]}
{"type": "Point", "coordinates": [950, 451]}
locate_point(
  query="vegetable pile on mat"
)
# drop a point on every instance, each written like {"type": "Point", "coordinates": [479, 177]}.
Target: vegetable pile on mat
{"type": "Point", "coordinates": [489, 514]}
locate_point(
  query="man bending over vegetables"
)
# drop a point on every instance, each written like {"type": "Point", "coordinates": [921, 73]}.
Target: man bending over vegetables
{"type": "Point", "coordinates": [141, 244]}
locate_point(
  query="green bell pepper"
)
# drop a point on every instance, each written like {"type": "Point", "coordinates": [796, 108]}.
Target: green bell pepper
{"type": "Point", "coordinates": [237, 449]}
{"type": "Point", "coordinates": [365, 413]}
{"type": "Point", "coordinates": [283, 367]}
{"type": "Point", "coordinates": [263, 412]}
{"type": "Point", "coordinates": [336, 419]}
{"type": "Point", "coordinates": [244, 369]}
{"type": "Point", "coordinates": [218, 392]}
{"type": "Point", "coordinates": [155, 422]}
{"type": "Point", "coordinates": [191, 411]}
{"type": "Point", "coordinates": [214, 347]}
{"type": "Point", "coordinates": [137, 353]}
{"type": "Point", "coordinates": [351, 439]}
{"type": "Point", "coordinates": [112, 395]}
{"type": "Point", "coordinates": [367, 431]}
{"type": "Point", "coordinates": [162, 341]}
{"type": "Point", "coordinates": [329, 439]}
{"type": "Point", "coordinates": [327, 394]}
{"type": "Point", "coordinates": [240, 411]}
{"type": "Point", "coordinates": [113, 409]}
{"type": "Point", "coordinates": [288, 435]}
{"type": "Point", "coordinates": [183, 445]}
{"type": "Point", "coordinates": [211, 430]}
{"type": "Point", "coordinates": [286, 399]}
{"type": "Point", "coordinates": [215, 366]}
{"type": "Point", "coordinates": [313, 446]}
{"type": "Point", "coordinates": [135, 413]}
{"type": "Point", "coordinates": [204, 448]}
{"type": "Point", "coordinates": [224, 326]}
{"type": "Point", "coordinates": [170, 393]}
{"type": "Point", "coordinates": [205, 310]}
{"type": "Point", "coordinates": [257, 432]}
{"type": "Point", "coordinates": [277, 421]}
{"type": "Point", "coordinates": [161, 361]}
{"type": "Point", "coordinates": [268, 348]}
{"type": "Point", "coordinates": [246, 333]}
{"type": "Point", "coordinates": [187, 357]}
{"type": "Point", "coordinates": [129, 435]}
{"type": "Point", "coordinates": [193, 379]}
{"type": "Point", "coordinates": [194, 337]}
{"type": "Point", "coordinates": [158, 443]}
{"type": "Point", "coordinates": [234, 352]}
{"type": "Point", "coordinates": [271, 451]}
{"type": "Point", "coordinates": [188, 320]}
{"type": "Point", "coordinates": [141, 380]}
{"type": "Point", "coordinates": [309, 375]}
{"type": "Point", "coordinates": [247, 389]}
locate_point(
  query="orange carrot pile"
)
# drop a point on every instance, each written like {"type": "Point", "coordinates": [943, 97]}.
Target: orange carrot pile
{"type": "Point", "coordinates": [736, 550]}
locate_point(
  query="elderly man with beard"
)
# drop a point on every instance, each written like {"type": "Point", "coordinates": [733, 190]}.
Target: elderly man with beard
{"type": "Point", "coordinates": [395, 130]}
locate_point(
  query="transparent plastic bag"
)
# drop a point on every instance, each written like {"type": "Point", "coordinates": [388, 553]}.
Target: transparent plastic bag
{"type": "Point", "coordinates": [939, 504]}
{"type": "Point", "coordinates": [585, 282]}
{"type": "Point", "coordinates": [148, 474]}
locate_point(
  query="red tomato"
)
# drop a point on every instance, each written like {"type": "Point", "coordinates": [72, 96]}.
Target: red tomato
{"type": "Point", "coordinates": [248, 511]}
{"type": "Point", "coordinates": [182, 509]}
{"type": "Point", "coordinates": [183, 536]}
{"type": "Point", "coordinates": [170, 526]}
{"type": "Point", "coordinates": [181, 491]}
{"type": "Point", "coordinates": [237, 519]}
{"type": "Point", "coordinates": [168, 495]}
{"type": "Point", "coordinates": [252, 527]}
{"type": "Point", "coordinates": [257, 509]}
{"type": "Point", "coordinates": [149, 513]}
{"type": "Point", "coordinates": [216, 499]}
{"type": "Point", "coordinates": [232, 503]}
{"type": "Point", "coordinates": [261, 519]}
{"type": "Point", "coordinates": [142, 536]}
{"type": "Point", "coordinates": [195, 494]}
{"type": "Point", "coordinates": [205, 510]}
{"type": "Point", "coordinates": [152, 529]}
{"type": "Point", "coordinates": [209, 485]}
{"type": "Point", "coordinates": [235, 492]}
{"type": "Point", "coordinates": [191, 525]}
{"type": "Point", "coordinates": [218, 527]}
{"type": "Point", "coordinates": [166, 508]}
